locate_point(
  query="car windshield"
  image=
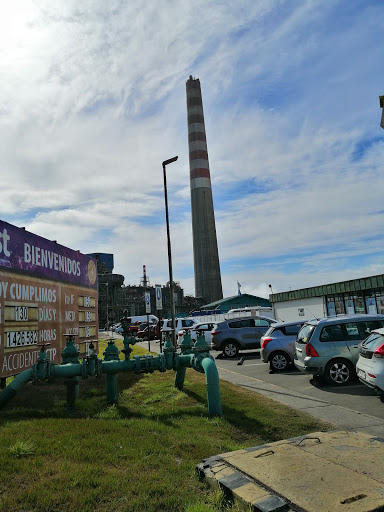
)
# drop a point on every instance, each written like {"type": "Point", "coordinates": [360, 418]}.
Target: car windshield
{"type": "Point", "coordinates": [305, 333]}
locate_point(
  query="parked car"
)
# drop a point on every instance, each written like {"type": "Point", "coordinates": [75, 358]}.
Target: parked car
{"type": "Point", "coordinates": [134, 328]}
{"type": "Point", "coordinates": [180, 323]}
{"type": "Point", "coordinates": [143, 334]}
{"type": "Point", "coordinates": [329, 347]}
{"type": "Point", "coordinates": [244, 333]}
{"type": "Point", "coordinates": [370, 365]}
{"type": "Point", "coordinates": [278, 345]}
{"type": "Point", "coordinates": [206, 328]}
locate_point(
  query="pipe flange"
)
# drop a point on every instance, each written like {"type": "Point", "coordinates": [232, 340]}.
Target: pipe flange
{"type": "Point", "coordinates": [163, 363]}
{"type": "Point", "coordinates": [137, 364]}
{"type": "Point", "coordinates": [201, 349]}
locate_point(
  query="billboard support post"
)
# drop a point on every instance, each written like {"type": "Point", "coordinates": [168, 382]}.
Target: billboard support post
{"type": "Point", "coordinates": [149, 334]}
{"type": "Point", "coordinates": [159, 307]}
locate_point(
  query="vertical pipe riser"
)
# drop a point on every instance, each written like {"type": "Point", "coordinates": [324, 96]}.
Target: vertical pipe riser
{"type": "Point", "coordinates": [111, 388]}
{"type": "Point", "coordinates": [179, 378]}
{"type": "Point", "coordinates": [213, 387]}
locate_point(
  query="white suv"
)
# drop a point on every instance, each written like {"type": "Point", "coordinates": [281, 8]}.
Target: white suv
{"type": "Point", "coordinates": [180, 323]}
{"type": "Point", "coordinates": [204, 327]}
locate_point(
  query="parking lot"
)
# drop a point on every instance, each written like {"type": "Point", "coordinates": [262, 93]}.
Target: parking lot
{"type": "Point", "coordinates": [356, 396]}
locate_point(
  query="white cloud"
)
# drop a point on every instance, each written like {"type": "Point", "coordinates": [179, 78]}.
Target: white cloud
{"type": "Point", "coordinates": [92, 100]}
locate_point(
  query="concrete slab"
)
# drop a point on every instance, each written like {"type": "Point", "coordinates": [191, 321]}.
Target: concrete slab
{"type": "Point", "coordinates": [338, 471]}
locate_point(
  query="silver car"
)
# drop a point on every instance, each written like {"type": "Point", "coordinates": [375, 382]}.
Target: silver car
{"type": "Point", "coordinates": [370, 365]}
{"type": "Point", "coordinates": [278, 345]}
{"type": "Point", "coordinates": [329, 347]}
{"type": "Point", "coordinates": [237, 334]}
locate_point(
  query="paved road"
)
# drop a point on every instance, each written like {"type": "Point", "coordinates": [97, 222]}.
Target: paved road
{"type": "Point", "coordinates": [355, 396]}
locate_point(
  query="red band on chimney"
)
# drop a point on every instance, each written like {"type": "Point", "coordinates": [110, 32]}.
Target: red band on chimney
{"type": "Point", "coordinates": [198, 153]}
{"type": "Point", "coordinates": [200, 173]}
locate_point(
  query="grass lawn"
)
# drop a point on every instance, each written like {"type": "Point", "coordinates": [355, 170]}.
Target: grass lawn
{"type": "Point", "coordinates": [139, 455]}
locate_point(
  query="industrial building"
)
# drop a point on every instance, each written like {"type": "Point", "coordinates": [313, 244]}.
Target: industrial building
{"type": "Point", "coordinates": [115, 297]}
{"type": "Point", "coordinates": [205, 251]}
{"type": "Point", "coordinates": [365, 295]}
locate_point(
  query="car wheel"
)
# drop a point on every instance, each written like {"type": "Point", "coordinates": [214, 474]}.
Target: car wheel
{"type": "Point", "coordinates": [339, 372]}
{"type": "Point", "coordinates": [230, 349]}
{"type": "Point", "coordinates": [279, 361]}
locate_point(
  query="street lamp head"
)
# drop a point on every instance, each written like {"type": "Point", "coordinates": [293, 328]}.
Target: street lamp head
{"type": "Point", "coordinates": [166, 162]}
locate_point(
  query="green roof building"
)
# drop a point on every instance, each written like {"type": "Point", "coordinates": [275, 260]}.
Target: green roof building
{"type": "Point", "coordinates": [237, 301]}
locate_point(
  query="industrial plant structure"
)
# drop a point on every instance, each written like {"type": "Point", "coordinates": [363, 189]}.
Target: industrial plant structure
{"type": "Point", "coordinates": [205, 251]}
{"type": "Point", "coordinates": [114, 297]}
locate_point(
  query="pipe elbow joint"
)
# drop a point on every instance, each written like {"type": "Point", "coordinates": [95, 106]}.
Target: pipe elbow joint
{"type": "Point", "coordinates": [197, 361]}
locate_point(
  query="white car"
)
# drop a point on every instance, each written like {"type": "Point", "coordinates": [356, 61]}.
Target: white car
{"type": "Point", "coordinates": [180, 323]}
{"type": "Point", "coordinates": [370, 365]}
{"type": "Point", "coordinates": [204, 327]}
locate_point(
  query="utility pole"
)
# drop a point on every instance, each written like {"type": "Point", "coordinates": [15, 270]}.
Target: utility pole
{"type": "Point", "coordinates": [381, 98]}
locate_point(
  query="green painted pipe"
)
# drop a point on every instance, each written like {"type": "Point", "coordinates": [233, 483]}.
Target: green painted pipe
{"type": "Point", "coordinates": [179, 378]}
{"type": "Point", "coordinates": [213, 386]}
{"type": "Point", "coordinates": [18, 382]}
{"type": "Point", "coordinates": [67, 370]}
{"type": "Point", "coordinates": [201, 362]}
{"type": "Point", "coordinates": [111, 388]}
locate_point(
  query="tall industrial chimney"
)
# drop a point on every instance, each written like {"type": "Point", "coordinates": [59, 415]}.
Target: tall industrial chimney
{"type": "Point", "coordinates": [205, 252]}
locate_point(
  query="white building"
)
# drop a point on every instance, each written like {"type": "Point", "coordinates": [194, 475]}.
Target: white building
{"type": "Point", "coordinates": [364, 295]}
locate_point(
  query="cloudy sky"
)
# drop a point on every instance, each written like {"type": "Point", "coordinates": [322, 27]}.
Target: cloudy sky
{"type": "Point", "coordinates": [92, 100]}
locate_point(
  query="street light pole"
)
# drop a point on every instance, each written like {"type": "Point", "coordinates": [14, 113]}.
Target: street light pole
{"type": "Point", "coordinates": [273, 304]}
{"type": "Point", "coordinates": [172, 300]}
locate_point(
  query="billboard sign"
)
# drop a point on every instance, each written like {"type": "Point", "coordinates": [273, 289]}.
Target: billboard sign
{"type": "Point", "coordinates": [46, 290]}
